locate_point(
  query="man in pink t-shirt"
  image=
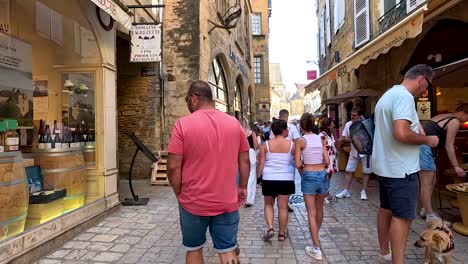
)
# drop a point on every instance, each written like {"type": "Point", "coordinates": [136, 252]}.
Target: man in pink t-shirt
{"type": "Point", "coordinates": [206, 150]}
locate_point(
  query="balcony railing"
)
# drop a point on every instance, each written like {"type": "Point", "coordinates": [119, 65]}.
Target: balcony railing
{"type": "Point", "coordinates": [392, 17]}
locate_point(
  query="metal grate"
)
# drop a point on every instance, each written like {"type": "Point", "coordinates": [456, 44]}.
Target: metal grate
{"type": "Point", "coordinates": [392, 17]}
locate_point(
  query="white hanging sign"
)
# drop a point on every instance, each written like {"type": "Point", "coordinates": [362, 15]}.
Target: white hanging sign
{"type": "Point", "coordinates": [145, 43]}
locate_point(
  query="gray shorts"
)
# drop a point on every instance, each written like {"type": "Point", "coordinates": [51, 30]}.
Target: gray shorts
{"type": "Point", "coordinates": [400, 195]}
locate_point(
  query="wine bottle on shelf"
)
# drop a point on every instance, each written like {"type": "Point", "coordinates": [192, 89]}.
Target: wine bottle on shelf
{"type": "Point", "coordinates": [72, 137]}
{"type": "Point", "coordinates": [56, 141]}
{"type": "Point", "coordinates": [47, 136]}
{"type": "Point", "coordinates": [65, 142]}
{"type": "Point", "coordinates": [40, 135]}
{"type": "Point", "coordinates": [11, 136]}
{"type": "Point", "coordinates": [83, 136]}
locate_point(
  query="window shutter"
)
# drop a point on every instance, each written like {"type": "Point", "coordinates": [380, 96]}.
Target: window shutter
{"type": "Point", "coordinates": [361, 22]}
{"type": "Point", "coordinates": [322, 34]}
{"type": "Point", "coordinates": [342, 12]}
{"type": "Point", "coordinates": [412, 4]}
{"type": "Point", "coordinates": [328, 20]}
{"type": "Point", "coordinates": [336, 15]}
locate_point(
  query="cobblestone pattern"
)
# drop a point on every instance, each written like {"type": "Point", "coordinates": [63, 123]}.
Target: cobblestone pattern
{"type": "Point", "coordinates": [151, 234]}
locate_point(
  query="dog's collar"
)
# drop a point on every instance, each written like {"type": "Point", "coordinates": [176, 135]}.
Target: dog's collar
{"type": "Point", "coordinates": [451, 244]}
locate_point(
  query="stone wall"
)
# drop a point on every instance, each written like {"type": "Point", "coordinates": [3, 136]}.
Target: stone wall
{"type": "Point", "coordinates": [138, 108]}
{"type": "Point", "coordinates": [181, 52]}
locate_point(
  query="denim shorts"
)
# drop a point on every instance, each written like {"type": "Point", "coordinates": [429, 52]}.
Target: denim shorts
{"type": "Point", "coordinates": [314, 182]}
{"type": "Point", "coordinates": [223, 230]}
{"type": "Point", "coordinates": [426, 158]}
{"type": "Point", "coordinates": [400, 195]}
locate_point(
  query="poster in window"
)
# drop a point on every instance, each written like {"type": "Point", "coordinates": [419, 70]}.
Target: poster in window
{"type": "Point", "coordinates": [16, 92]}
{"type": "Point", "coordinates": [40, 99]}
{"type": "Point", "coordinates": [5, 16]}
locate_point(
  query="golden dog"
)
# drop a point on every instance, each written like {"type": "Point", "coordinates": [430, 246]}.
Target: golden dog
{"type": "Point", "coordinates": [438, 241]}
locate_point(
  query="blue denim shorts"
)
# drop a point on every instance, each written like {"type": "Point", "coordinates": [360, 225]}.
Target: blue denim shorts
{"type": "Point", "coordinates": [400, 195]}
{"type": "Point", "coordinates": [314, 182]}
{"type": "Point", "coordinates": [223, 230]}
{"type": "Point", "coordinates": [426, 158]}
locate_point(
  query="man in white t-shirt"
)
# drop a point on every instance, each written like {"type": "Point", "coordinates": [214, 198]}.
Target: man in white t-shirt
{"type": "Point", "coordinates": [354, 159]}
{"type": "Point", "coordinates": [395, 160]}
{"type": "Point", "coordinates": [293, 133]}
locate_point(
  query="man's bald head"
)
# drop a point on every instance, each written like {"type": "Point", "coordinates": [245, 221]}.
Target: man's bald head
{"type": "Point", "coordinates": [202, 90]}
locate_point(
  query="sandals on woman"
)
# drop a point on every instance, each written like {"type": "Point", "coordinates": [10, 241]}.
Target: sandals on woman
{"type": "Point", "coordinates": [283, 237]}
{"type": "Point", "coordinates": [268, 234]}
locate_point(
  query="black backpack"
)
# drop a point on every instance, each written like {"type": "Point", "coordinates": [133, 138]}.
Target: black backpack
{"type": "Point", "coordinates": [362, 136]}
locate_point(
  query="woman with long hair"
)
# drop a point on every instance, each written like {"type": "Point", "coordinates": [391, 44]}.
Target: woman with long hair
{"type": "Point", "coordinates": [327, 128]}
{"type": "Point", "coordinates": [276, 162]}
{"type": "Point", "coordinates": [314, 180]}
{"type": "Point", "coordinates": [252, 183]}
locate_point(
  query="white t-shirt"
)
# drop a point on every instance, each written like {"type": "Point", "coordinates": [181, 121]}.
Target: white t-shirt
{"type": "Point", "coordinates": [391, 158]}
{"type": "Point", "coordinates": [346, 133]}
{"type": "Point", "coordinates": [292, 135]}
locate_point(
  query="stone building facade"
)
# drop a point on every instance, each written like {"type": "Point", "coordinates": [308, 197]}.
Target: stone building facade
{"type": "Point", "coordinates": [361, 58]}
{"type": "Point", "coordinates": [195, 47]}
{"type": "Point", "coordinates": [261, 11]}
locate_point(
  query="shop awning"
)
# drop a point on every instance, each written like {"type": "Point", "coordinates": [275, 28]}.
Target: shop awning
{"type": "Point", "coordinates": [352, 94]}
{"type": "Point", "coordinates": [116, 10]}
{"type": "Point", "coordinates": [408, 28]}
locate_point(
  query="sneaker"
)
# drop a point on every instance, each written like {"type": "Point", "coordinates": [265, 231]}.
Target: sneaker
{"type": "Point", "coordinates": [314, 252]}
{"type": "Point", "coordinates": [429, 217]}
{"type": "Point", "coordinates": [387, 257]}
{"type": "Point", "coordinates": [423, 213]}
{"type": "Point", "coordinates": [363, 195]}
{"type": "Point", "coordinates": [343, 194]}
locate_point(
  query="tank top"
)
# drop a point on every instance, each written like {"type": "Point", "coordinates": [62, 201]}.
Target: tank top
{"type": "Point", "coordinates": [432, 128]}
{"type": "Point", "coordinates": [279, 166]}
{"type": "Point", "coordinates": [313, 151]}
{"type": "Point", "coordinates": [250, 140]}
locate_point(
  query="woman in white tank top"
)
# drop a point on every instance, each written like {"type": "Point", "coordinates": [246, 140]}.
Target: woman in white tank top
{"type": "Point", "coordinates": [276, 162]}
{"type": "Point", "coordinates": [314, 180]}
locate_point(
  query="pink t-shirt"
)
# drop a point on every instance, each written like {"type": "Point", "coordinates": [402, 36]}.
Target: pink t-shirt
{"type": "Point", "coordinates": [210, 142]}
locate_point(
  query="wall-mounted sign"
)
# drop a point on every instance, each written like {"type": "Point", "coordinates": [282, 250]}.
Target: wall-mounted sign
{"type": "Point", "coordinates": [238, 61]}
{"type": "Point", "coordinates": [424, 110]}
{"type": "Point", "coordinates": [264, 107]}
{"type": "Point", "coordinates": [15, 54]}
{"type": "Point", "coordinates": [145, 43]}
{"type": "Point", "coordinates": [311, 75]}
{"type": "Point", "coordinates": [115, 11]}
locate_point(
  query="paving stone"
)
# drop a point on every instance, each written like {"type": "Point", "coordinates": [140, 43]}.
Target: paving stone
{"type": "Point", "coordinates": [59, 254]}
{"type": "Point", "coordinates": [76, 254]}
{"type": "Point", "coordinates": [104, 238]}
{"type": "Point", "coordinates": [108, 257]}
{"type": "Point", "coordinates": [151, 234]}
{"type": "Point", "coordinates": [122, 248]}
{"type": "Point", "coordinates": [98, 246]}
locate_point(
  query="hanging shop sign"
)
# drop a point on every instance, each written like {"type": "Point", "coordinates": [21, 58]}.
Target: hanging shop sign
{"type": "Point", "coordinates": [115, 11]}
{"type": "Point", "coordinates": [145, 43]}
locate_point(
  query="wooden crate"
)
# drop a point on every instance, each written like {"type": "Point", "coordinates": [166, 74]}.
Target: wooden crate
{"type": "Point", "coordinates": [159, 172]}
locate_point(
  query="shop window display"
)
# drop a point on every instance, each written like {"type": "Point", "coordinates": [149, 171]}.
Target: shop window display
{"type": "Point", "coordinates": [49, 62]}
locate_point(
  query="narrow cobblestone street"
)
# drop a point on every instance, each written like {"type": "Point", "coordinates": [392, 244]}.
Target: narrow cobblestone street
{"type": "Point", "coordinates": [151, 234]}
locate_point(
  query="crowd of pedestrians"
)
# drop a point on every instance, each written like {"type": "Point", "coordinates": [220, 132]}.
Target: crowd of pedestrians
{"type": "Point", "coordinates": [217, 163]}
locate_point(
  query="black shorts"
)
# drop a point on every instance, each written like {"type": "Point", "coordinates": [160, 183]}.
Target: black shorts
{"type": "Point", "coordinates": [275, 188]}
{"type": "Point", "coordinates": [400, 195]}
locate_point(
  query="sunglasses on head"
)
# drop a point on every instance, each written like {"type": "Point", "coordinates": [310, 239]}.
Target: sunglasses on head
{"type": "Point", "coordinates": [429, 83]}
{"type": "Point", "coordinates": [188, 96]}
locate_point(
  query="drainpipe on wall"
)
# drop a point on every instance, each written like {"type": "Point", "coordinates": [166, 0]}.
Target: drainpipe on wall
{"type": "Point", "coordinates": [162, 82]}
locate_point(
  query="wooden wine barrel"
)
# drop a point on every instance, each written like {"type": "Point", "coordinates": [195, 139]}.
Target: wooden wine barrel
{"type": "Point", "coordinates": [14, 194]}
{"type": "Point", "coordinates": [89, 152]}
{"type": "Point", "coordinates": [64, 169]}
